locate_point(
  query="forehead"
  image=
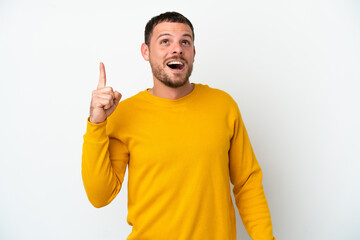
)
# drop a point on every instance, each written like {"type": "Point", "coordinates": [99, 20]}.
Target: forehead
{"type": "Point", "coordinates": [171, 28]}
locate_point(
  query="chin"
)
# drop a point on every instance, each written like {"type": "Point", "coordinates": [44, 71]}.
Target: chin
{"type": "Point", "coordinates": [174, 83]}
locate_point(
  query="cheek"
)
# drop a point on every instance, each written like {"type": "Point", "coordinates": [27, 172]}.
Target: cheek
{"type": "Point", "coordinates": [157, 59]}
{"type": "Point", "coordinates": [158, 53]}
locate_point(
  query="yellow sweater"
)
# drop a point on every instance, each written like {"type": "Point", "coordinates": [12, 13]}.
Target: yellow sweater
{"type": "Point", "coordinates": [180, 155]}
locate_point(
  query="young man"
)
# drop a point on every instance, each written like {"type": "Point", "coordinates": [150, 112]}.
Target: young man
{"type": "Point", "coordinates": [181, 142]}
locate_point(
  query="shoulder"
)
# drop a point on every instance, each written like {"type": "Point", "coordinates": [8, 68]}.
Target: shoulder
{"type": "Point", "coordinates": [130, 103]}
{"type": "Point", "coordinates": [217, 95]}
{"type": "Point", "coordinates": [126, 107]}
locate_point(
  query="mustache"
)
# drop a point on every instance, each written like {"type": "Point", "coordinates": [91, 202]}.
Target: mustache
{"type": "Point", "coordinates": [174, 59]}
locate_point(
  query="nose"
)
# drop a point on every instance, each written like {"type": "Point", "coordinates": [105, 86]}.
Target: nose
{"type": "Point", "coordinates": [177, 49]}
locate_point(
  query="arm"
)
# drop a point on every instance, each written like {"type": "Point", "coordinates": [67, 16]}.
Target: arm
{"type": "Point", "coordinates": [104, 157]}
{"type": "Point", "coordinates": [246, 176]}
{"type": "Point", "coordinates": [104, 162]}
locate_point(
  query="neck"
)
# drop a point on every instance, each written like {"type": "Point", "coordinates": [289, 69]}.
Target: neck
{"type": "Point", "coordinates": [163, 91]}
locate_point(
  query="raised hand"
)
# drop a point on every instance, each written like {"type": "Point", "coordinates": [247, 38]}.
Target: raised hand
{"type": "Point", "coordinates": [104, 99]}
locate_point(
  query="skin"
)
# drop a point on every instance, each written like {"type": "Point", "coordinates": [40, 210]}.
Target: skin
{"type": "Point", "coordinates": [169, 42]}
{"type": "Point", "coordinates": [104, 99]}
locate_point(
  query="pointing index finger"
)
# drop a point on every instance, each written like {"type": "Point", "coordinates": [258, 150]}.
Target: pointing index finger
{"type": "Point", "coordinates": [102, 79]}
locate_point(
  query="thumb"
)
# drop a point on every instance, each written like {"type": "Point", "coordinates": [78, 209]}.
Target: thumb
{"type": "Point", "coordinates": [117, 97]}
{"type": "Point", "coordinates": [116, 101]}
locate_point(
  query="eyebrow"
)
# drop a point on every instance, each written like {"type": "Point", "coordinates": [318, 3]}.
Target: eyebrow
{"type": "Point", "coordinates": [168, 34]}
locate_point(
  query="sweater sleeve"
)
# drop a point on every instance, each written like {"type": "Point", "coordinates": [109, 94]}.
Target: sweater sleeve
{"type": "Point", "coordinates": [104, 162]}
{"type": "Point", "coordinates": [246, 176]}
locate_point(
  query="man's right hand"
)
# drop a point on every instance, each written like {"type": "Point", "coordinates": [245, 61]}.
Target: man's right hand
{"type": "Point", "coordinates": [104, 100]}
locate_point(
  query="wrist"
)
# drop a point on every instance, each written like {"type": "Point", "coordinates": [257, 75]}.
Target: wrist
{"type": "Point", "coordinates": [95, 121]}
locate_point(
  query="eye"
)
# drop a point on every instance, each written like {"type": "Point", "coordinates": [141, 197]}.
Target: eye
{"type": "Point", "coordinates": [185, 42]}
{"type": "Point", "coordinates": [164, 42]}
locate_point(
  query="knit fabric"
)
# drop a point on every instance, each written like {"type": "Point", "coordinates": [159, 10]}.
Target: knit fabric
{"type": "Point", "coordinates": [180, 155]}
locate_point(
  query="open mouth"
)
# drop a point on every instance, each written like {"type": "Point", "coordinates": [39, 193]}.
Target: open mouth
{"type": "Point", "coordinates": [175, 65]}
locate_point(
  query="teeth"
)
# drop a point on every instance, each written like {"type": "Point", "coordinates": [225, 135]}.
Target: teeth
{"type": "Point", "coordinates": [176, 62]}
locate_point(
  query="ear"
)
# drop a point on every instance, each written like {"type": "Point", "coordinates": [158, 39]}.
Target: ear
{"type": "Point", "coordinates": [194, 54]}
{"type": "Point", "coordinates": [145, 51]}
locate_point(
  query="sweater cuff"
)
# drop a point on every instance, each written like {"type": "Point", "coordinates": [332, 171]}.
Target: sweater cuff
{"type": "Point", "coordinates": [95, 131]}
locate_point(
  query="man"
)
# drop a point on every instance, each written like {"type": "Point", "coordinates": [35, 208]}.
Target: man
{"type": "Point", "coordinates": [181, 142]}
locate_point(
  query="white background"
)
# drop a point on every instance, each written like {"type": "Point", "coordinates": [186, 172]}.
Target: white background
{"type": "Point", "coordinates": [292, 66]}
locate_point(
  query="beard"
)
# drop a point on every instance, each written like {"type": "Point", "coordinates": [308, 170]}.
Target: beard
{"type": "Point", "coordinates": [175, 82]}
